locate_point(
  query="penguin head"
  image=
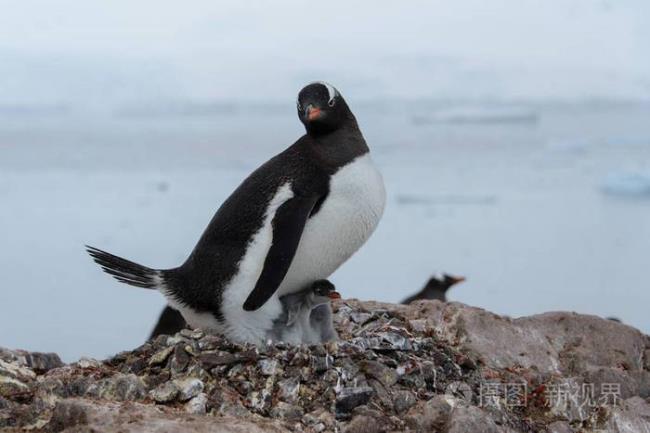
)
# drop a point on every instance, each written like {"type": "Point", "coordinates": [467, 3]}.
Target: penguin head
{"type": "Point", "coordinates": [450, 280]}
{"type": "Point", "coordinates": [323, 292]}
{"type": "Point", "coordinates": [443, 282]}
{"type": "Point", "coordinates": [321, 108]}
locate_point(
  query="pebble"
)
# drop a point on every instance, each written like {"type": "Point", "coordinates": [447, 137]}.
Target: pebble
{"type": "Point", "coordinates": [289, 389]}
{"type": "Point", "coordinates": [387, 376]}
{"type": "Point", "coordinates": [349, 398]}
{"type": "Point", "coordinates": [188, 388]}
{"type": "Point", "coordinates": [268, 367]}
{"type": "Point", "coordinates": [287, 411]}
{"type": "Point", "coordinates": [403, 400]}
{"type": "Point", "coordinates": [88, 363]}
{"type": "Point", "coordinates": [197, 405]}
{"type": "Point", "coordinates": [165, 393]}
{"type": "Point", "coordinates": [161, 356]}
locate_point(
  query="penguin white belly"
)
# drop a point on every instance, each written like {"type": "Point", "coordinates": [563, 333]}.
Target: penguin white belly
{"type": "Point", "coordinates": [251, 326]}
{"type": "Point", "coordinates": [346, 219]}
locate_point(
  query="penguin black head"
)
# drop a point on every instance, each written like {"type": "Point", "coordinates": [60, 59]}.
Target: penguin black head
{"type": "Point", "coordinates": [323, 291]}
{"type": "Point", "coordinates": [440, 283]}
{"type": "Point", "coordinates": [321, 108]}
{"type": "Point", "coordinates": [450, 280]}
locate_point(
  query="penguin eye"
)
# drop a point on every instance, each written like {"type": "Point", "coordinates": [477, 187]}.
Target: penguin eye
{"type": "Point", "coordinates": [331, 102]}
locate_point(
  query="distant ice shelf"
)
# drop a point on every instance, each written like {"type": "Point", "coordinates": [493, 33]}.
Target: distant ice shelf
{"type": "Point", "coordinates": [479, 114]}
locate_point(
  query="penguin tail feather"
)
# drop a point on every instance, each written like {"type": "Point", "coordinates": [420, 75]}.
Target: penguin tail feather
{"type": "Point", "coordinates": [126, 271]}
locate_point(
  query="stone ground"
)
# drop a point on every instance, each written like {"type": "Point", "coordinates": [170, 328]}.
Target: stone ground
{"type": "Point", "coordinates": [429, 366]}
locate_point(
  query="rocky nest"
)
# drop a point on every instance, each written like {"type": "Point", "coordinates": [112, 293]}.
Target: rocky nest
{"type": "Point", "coordinates": [429, 366]}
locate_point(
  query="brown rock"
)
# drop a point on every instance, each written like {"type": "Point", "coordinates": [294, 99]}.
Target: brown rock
{"type": "Point", "coordinates": [470, 419]}
{"type": "Point", "coordinates": [364, 424]}
{"type": "Point", "coordinates": [633, 416]}
{"type": "Point", "coordinates": [559, 427]}
{"type": "Point", "coordinates": [403, 401]}
{"type": "Point", "coordinates": [386, 375]}
{"type": "Point", "coordinates": [428, 416]}
{"type": "Point", "coordinates": [108, 417]}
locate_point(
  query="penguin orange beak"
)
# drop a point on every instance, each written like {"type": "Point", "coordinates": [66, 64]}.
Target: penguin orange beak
{"type": "Point", "coordinates": [456, 280]}
{"type": "Point", "coordinates": [334, 295]}
{"type": "Point", "coordinates": [313, 113]}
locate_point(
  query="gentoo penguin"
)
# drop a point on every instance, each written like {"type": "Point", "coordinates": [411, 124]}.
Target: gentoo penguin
{"type": "Point", "coordinates": [436, 288]}
{"type": "Point", "coordinates": [293, 221]}
{"type": "Point", "coordinates": [296, 325]}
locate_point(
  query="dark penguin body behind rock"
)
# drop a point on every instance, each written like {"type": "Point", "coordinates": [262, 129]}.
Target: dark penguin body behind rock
{"type": "Point", "coordinates": [293, 221]}
{"type": "Point", "coordinates": [436, 288]}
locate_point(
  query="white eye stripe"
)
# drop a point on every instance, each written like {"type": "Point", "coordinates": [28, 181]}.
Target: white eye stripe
{"type": "Point", "coordinates": [331, 91]}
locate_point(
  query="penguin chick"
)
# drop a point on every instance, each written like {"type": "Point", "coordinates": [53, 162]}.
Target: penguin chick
{"type": "Point", "coordinates": [436, 288]}
{"type": "Point", "coordinates": [297, 323]}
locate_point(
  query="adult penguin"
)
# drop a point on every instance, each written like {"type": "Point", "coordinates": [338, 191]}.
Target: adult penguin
{"type": "Point", "coordinates": [293, 221]}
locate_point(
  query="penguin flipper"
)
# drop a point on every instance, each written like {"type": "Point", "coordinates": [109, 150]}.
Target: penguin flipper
{"type": "Point", "coordinates": [288, 223]}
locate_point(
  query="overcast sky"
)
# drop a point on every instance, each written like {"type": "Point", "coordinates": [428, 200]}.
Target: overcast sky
{"type": "Point", "coordinates": [69, 51]}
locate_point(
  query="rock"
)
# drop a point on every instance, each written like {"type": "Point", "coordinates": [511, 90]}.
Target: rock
{"type": "Point", "coordinates": [194, 334]}
{"type": "Point", "coordinates": [267, 366]}
{"type": "Point", "coordinates": [120, 387]}
{"type": "Point", "coordinates": [394, 341]}
{"type": "Point", "coordinates": [633, 416]}
{"type": "Point", "coordinates": [321, 363]}
{"type": "Point", "coordinates": [188, 388]}
{"type": "Point", "coordinates": [287, 411]}
{"type": "Point", "coordinates": [418, 325]}
{"type": "Point", "coordinates": [428, 366]}
{"type": "Point", "coordinates": [76, 415]}
{"type": "Point", "coordinates": [197, 405]}
{"type": "Point", "coordinates": [364, 424]}
{"type": "Point", "coordinates": [161, 356]}
{"type": "Point", "coordinates": [289, 389]}
{"type": "Point", "coordinates": [403, 401]}
{"type": "Point", "coordinates": [180, 360]}
{"type": "Point", "coordinates": [15, 370]}
{"type": "Point", "coordinates": [210, 360]}
{"type": "Point", "coordinates": [37, 361]}
{"type": "Point", "coordinates": [559, 427]}
{"type": "Point", "coordinates": [349, 398]}
{"type": "Point", "coordinates": [432, 415]}
{"type": "Point", "coordinates": [470, 419]}
{"type": "Point", "coordinates": [85, 362]}
{"type": "Point", "coordinates": [550, 342]}
{"type": "Point", "coordinates": [42, 362]}
{"type": "Point", "coordinates": [461, 390]}
{"type": "Point", "coordinates": [11, 388]}
{"type": "Point", "coordinates": [68, 413]}
{"type": "Point", "coordinates": [165, 393]}
{"type": "Point", "coordinates": [360, 317]}
{"type": "Point", "coordinates": [386, 375]}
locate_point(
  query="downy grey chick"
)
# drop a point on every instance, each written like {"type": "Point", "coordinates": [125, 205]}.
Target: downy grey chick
{"type": "Point", "coordinates": [306, 316]}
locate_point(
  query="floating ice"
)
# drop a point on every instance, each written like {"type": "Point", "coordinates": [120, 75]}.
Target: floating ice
{"type": "Point", "coordinates": [480, 114]}
{"type": "Point", "coordinates": [627, 184]}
